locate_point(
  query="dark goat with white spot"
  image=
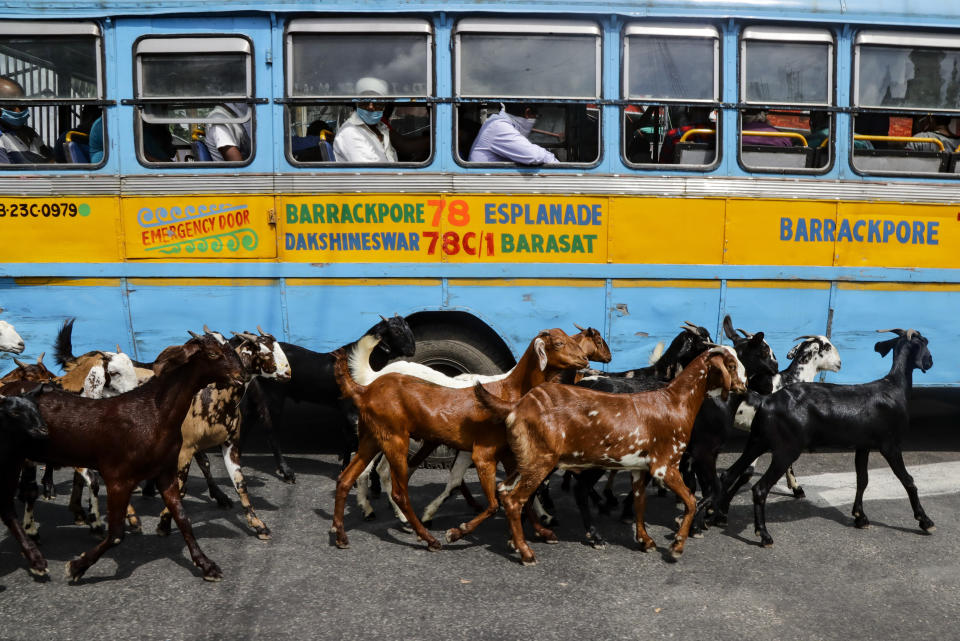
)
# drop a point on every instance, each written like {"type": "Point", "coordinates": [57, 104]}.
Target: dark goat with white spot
{"type": "Point", "coordinates": [863, 417]}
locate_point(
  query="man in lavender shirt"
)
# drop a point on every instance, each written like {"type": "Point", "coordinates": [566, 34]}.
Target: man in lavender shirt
{"type": "Point", "coordinates": [503, 138]}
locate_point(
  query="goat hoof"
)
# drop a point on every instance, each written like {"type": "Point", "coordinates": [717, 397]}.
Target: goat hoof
{"type": "Point", "coordinates": [511, 545]}
{"type": "Point", "coordinates": [549, 538]}
{"type": "Point", "coordinates": [264, 535]}
{"type": "Point", "coordinates": [370, 516]}
{"type": "Point", "coordinates": [766, 540]}
{"type": "Point", "coordinates": [596, 542]}
{"type": "Point", "coordinates": [646, 546]}
{"type": "Point", "coordinates": [861, 522]}
{"type": "Point", "coordinates": [530, 561]}
{"type": "Point", "coordinates": [163, 530]}
{"type": "Point", "coordinates": [79, 519]}
{"type": "Point", "coordinates": [287, 476]}
{"type": "Point", "coordinates": [405, 527]}
{"type": "Point", "coordinates": [798, 493]}
{"type": "Point", "coordinates": [927, 525]}
{"type": "Point", "coordinates": [453, 534]}
{"type": "Point", "coordinates": [71, 572]}
{"type": "Point", "coordinates": [434, 545]}
{"type": "Point", "coordinates": [39, 569]}
{"type": "Point", "coordinates": [212, 573]}
{"type": "Point", "coordinates": [342, 544]}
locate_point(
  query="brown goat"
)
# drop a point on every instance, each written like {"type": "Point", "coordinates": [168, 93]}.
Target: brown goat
{"type": "Point", "coordinates": [575, 428]}
{"type": "Point", "coordinates": [395, 408]}
{"type": "Point", "coordinates": [129, 438]}
{"type": "Point", "coordinates": [24, 378]}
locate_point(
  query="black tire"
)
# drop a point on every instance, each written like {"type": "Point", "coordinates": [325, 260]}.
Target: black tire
{"type": "Point", "coordinates": [455, 350]}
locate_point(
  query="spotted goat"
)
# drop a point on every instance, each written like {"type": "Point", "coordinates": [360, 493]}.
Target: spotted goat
{"type": "Point", "coordinates": [570, 427]}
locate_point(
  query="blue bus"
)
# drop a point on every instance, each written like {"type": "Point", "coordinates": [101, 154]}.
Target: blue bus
{"type": "Point", "coordinates": [792, 164]}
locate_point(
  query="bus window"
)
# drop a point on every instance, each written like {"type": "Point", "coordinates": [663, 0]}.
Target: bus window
{"type": "Point", "coordinates": [679, 65]}
{"type": "Point", "coordinates": [528, 91]}
{"type": "Point", "coordinates": [51, 93]}
{"type": "Point", "coordinates": [195, 99]}
{"type": "Point", "coordinates": [787, 97]}
{"type": "Point", "coordinates": [907, 85]}
{"type": "Point", "coordinates": [358, 91]}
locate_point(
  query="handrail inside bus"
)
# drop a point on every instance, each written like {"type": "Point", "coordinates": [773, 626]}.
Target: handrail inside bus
{"type": "Point", "coordinates": [76, 136]}
{"type": "Point", "coordinates": [696, 132]}
{"type": "Point", "coordinates": [774, 134]}
{"type": "Point", "coordinates": [936, 141]}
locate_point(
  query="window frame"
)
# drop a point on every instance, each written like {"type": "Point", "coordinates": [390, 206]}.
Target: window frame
{"type": "Point", "coordinates": [198, 40]}
{"type": "Point", "coordinates": [60, 28]}
{"type": "Point", "coordinates": [673, 30]}
{"type": "Point", "coordinates": [799, 34]}
{"type": "Point", "coordinates": [358, 25]}
{"type": "Point", "coordinates": [895, 38]}
{"type": "Point", "coordinates": [521, 26]}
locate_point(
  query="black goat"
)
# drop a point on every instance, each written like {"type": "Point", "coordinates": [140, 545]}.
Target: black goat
{"type": "Point", "coordinates": [863, 417]}
{"type": "Point", "coordinates": [22, 434]}
{"type": "Point", "coordinates": [312, 381]}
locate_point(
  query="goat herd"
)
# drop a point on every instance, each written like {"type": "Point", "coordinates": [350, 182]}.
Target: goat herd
{"type": "Point", "coordinates": [133, 421]}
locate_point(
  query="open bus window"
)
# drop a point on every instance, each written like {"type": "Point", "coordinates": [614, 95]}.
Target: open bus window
{"type": "Point", "coordinates": [195, 99]}
{"type": "Point", "coordinates": [533, 86]}
{"type": "Point", "coordinates": [51, 93]}
{"type": "Point", "coordinates": [671, 76]}
{"type": "Point", "coordinates": [359, 90]}
{"type": "Point", "coordinates": [786, 121]}
{"type": "Point", "coordinates": [908, 85]}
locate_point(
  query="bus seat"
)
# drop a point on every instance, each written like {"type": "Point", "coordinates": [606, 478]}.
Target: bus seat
{"type": "Point", "coordinates": [76, 148]}
{"type": "Point", "coordinates": [326, 146]}
{"type": "Point", "coordinates": [200, 151]}
{"type": "Point", "coordinates": [900, 160]}
{"type": "Point", "coordinates": [764, 156]}
{"type": "Point", "coordinates": [693, 153]}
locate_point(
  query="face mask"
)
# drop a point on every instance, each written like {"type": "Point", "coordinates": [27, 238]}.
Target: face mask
{"type": "Point", "coordinates": [370, 117]}
{"type": "Point", "coordinates": [15, 118]}
{"type": "Point", "coordinates": [525, 125]}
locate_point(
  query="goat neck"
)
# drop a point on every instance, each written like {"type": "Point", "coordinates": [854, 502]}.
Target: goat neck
{"type": "Point", "coordinates": [359, 358]}
{"type": "Point", "coordinates": [175, 387]}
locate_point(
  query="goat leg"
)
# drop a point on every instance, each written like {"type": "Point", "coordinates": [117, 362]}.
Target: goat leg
{"type": "Point", "coordinates": [859, 517]}
{"type": "Point", "coordinates": [28, 494]}
{"type": "Point", "coordinates": [583, 483]}
{"type": "Point", "coordinates": [366, 450]}
{"type": "Point", "coordinates": [513, 501]}
{"type": "Point", "coordinates": [640, 479]}
{"type": "Point", "coordinates": [49, 491]}
{"type": "Point", "coordinates": [895, 459]}
{"type": "Point", "coordinates": [395, 451]}
{"type": "Point", "coordinates": [231, 458]}
{"type": "Point", "coordinates": [171, 497]}
{"type": "Point", "coordinates": [484, 459]}
{"type": "Point", "coordinates": [216, 493]}
{"type": "Point", "coordinates": [118, 497]}
{"type": "Point", "coordinates": [674, 480]}
{"type": "Point", "coordinates": [794, 485]}
{"type": "Point", "coordinates": [10, 472]}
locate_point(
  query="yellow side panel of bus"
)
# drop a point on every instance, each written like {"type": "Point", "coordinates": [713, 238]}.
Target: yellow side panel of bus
{"type": "Point", "coordinates": [435, 228]}
{"type": "Point", "coordinates": [754, 234]}
{"type": "Point", "coordinates": [895, 235]}
{"type": "Point", "coordinates": [191, 228]}
{"type": "Point", "coordinates": [59, 230]}
{"type": "Point", "coordinates": [666, 230]}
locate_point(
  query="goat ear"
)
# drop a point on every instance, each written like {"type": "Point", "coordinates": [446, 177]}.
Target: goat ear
{"type": "Point", "coordinates": [721, 366]}
{"type": "Point", "coordinates": [792, 354]}
{"type": "Point", "coordinates": [885, 346]}
{"type": "Point", "coordinates": [173, 357]}
{"type": "Point", "coordinates": [728, 328]}
{"type": "Point", "coordinates": [540, 347]}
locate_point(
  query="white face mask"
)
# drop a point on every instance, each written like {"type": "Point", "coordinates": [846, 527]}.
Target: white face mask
{"type": "Point", "coordinates": [525, 125]}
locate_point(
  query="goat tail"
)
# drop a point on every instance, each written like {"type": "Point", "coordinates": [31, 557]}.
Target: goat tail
{"type": "Point", "coordinates": [500, 408]}
{"type": "Point", "coordinates": [341, 371]}
{"type": "Point", "coordinates": [656, 353]}
{"type": "Point", "coordinates": [63, 347]}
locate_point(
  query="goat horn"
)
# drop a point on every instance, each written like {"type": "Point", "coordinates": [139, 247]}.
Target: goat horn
{"type": "Point", "coordinates": [578, 327]}
{"type": "Point", "coordinates": [898, 332]}
{"type": "Point", "coordinates": [193, 335]}
{"type": "Point", "coordinates": [910, 333]}
{"type": "Point", "coordinates": [383, 318]}
{"type": "Point", "coordinates": [262, 333]}
{"type": "Point", "coordinates": [40, 358]}
{"type": "Point", "coordinates": [118, 349]}
{"type": "Point", "coordinates": [804, 337]}
{"type": "Point", "coordinates": [19, 362]}
{"type": "Point", "coordinates": [207, 330]}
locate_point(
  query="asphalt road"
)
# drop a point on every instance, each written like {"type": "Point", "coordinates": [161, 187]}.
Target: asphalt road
{"type": "Point", "coordinates": [823, 579]}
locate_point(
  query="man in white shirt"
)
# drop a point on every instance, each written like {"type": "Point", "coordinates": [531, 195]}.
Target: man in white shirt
{"type": "Point", "coordinates": [229, 142]}
{"type": "Point", "coordinates": [363, 137]}
{"type": "Point", "coordinates": [503, 138]}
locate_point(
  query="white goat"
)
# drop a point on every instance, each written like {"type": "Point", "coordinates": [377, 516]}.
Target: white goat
{"type": "Point", "coordinates": [10, 340]}
{"type": "Point", "coordinates": [814, 355]}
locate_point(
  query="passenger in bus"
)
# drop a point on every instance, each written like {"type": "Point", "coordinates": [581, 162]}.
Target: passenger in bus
{"type": "Point", "coordinates": [820, 131]}
{"type": "Point", "coordinates": [934, 127]}
{"type": "Point", "coordinates": [19, 142]}
{"type": "Point", "coordinates": [756, 120]}
{"type": "Point", "coordinates": [696, 118]}
{"type": "Point", "coordinates": [503, 137]}
{"type": "Point", "coordinates": [96, 141]}
{"type": "Point", "coordinates": [231, 142]}
{"type": "Point", "coordinates": [157, 143]}
{"type": "Point", "coordinates": [364, 137]}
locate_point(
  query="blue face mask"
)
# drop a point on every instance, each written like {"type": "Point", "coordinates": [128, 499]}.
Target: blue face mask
{"type": "Point", "coordinates": [370, 117]}
{"type": "Point", "coordinates": [15, 118]}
